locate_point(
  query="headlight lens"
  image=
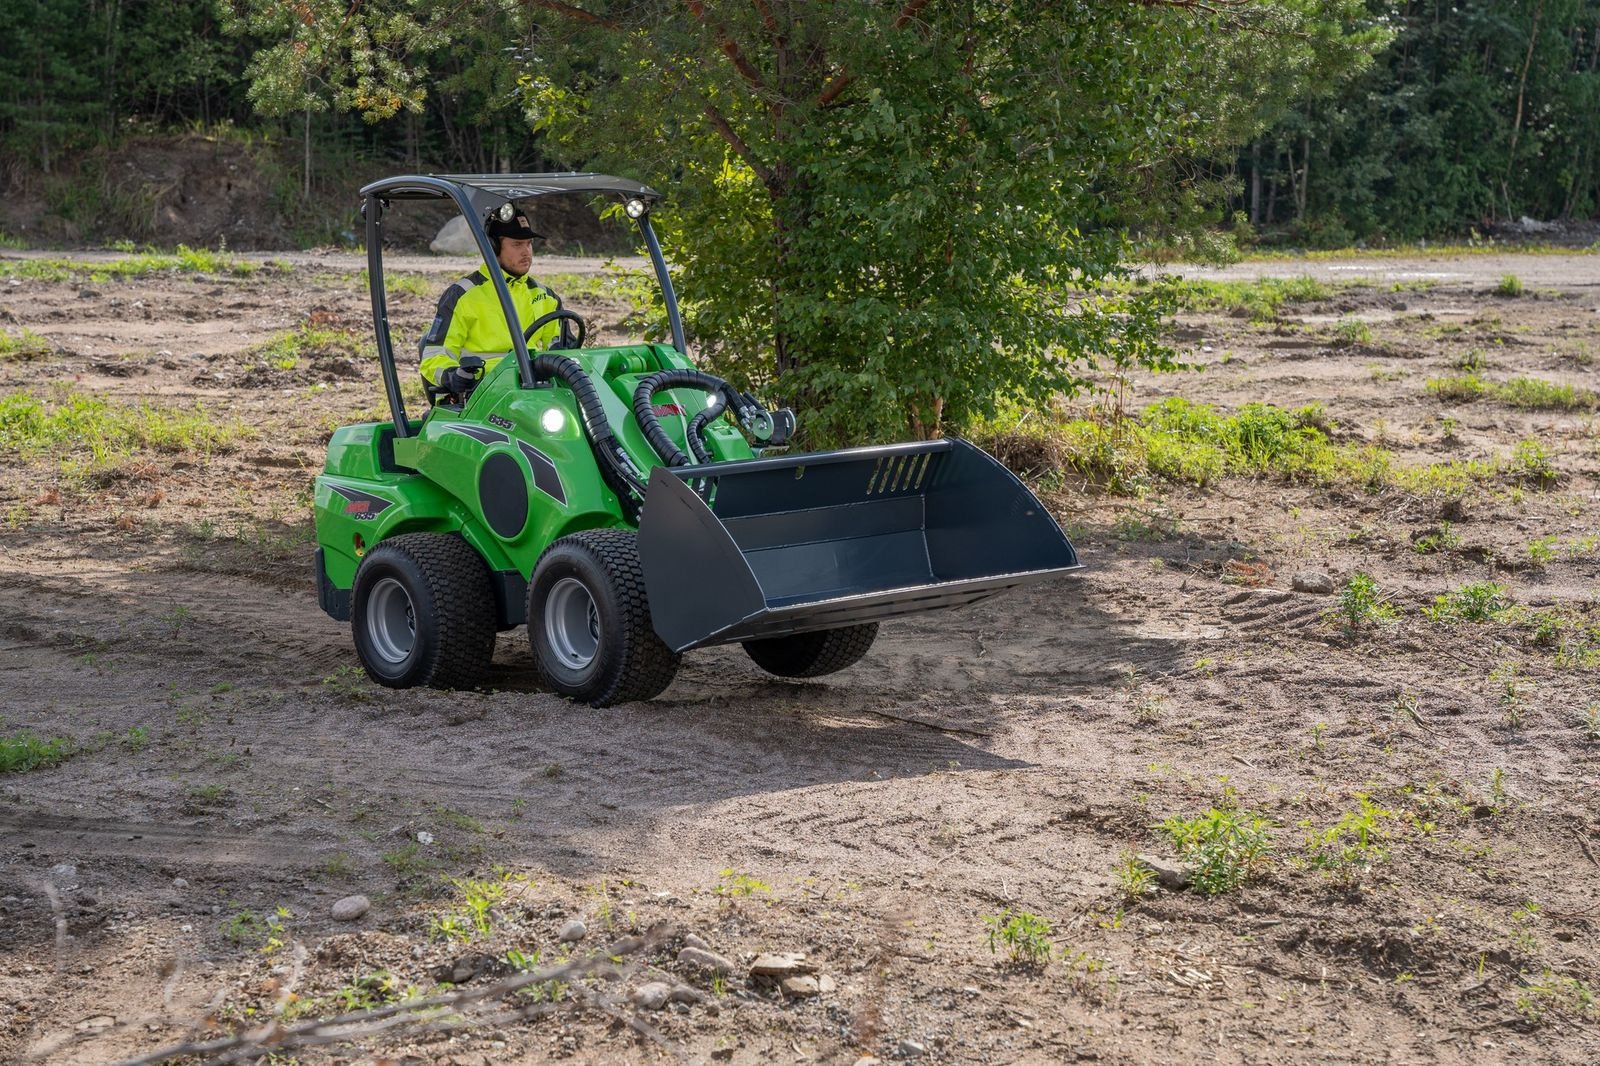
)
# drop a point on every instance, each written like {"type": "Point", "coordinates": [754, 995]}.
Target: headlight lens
{"type": "Point", "coordinates": [635, 208]}
{"type": "Point", "coordinates": [553, 420]}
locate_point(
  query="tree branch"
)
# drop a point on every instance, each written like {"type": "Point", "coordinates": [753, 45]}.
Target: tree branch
{"type": "Point", "coordinates": [726, 131]}
{"type": "Point", "coordinates": [572, 11]}
{"type": "Point", "coordinates": [729, 48]}
{"type": "Point", "coordinates": [841, 81]}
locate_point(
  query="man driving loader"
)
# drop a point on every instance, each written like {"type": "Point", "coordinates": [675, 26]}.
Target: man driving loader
{"type": "Point", "coordinates": [470, 320]}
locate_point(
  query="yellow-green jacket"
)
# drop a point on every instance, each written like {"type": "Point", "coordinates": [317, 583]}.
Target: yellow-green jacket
{"type": "Point", "coordinates": [470, 321]}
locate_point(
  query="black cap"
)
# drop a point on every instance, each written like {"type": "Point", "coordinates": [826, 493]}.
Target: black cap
{"type": "Point", "coordinates": [508, 222]}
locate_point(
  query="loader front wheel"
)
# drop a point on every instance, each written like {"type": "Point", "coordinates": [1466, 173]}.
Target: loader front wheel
{"type": "Point", "coordinates": [422, 612]}
{"type": "Point", "coordinates": [812, 654]}
{"type": "Point", "coordinates": [589, 621]}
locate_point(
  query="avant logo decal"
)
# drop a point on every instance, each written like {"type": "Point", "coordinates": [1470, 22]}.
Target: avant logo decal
{"type": "Point", "coordinates": [362, 506]}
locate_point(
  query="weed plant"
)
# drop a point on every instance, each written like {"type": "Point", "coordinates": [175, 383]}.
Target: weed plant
{"type": "Point", "coordinates": [1354, 843]}
{"type": "Point", "coordinates": [185, 260]}
{"type": "Point", "coordinates": [1534, 394]}
{"type": "Point", "coordinates": [23, 751]}
{"type": "Point", "coordinates": [1361, 605]}
{"type": "Point", "coordinates": [1025, 936]}
{"type": "Point", "coordinates": [1481, 601]}
{"type": "Point", "coordinates": [1223, 846]}
{"type": "Point", "coordinates": [71, 423]}
{"type": "Point", "coordinates": [26, 345]}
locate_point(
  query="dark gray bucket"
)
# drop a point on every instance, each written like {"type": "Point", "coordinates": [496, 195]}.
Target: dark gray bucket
{"type": "Point", "coordinates": [768, 547]}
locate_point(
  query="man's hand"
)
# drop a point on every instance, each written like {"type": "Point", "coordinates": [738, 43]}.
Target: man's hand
{"type": "Point", "coordinates": [458, 382]}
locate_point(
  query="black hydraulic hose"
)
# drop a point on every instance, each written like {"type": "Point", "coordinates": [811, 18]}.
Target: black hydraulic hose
{"type": "Point", "coordinates": [697, 425]}
{"type": "Point", "coordinates": [596, 426]}
{"type": "Point", "coordinates": [644, 410]}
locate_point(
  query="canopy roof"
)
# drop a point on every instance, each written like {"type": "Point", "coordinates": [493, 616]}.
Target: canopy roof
{"type": "Point", "coordinates": [490, 189]}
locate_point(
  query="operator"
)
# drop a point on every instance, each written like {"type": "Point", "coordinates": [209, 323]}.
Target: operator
{"type": "Point", "coordinates": [470, 320]}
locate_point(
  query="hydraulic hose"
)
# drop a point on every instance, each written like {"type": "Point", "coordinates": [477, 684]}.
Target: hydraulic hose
{"type": "Point", "coordinates": [614, 459]}
{"type": "Point", "coordinates": [644, 411]}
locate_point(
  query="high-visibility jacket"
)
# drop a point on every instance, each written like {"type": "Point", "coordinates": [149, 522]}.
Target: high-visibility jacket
{"type": "Point", "coordinates": [470, 321]}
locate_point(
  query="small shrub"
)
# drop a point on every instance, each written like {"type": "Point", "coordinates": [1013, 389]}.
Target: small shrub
{"type": "Point", "coordinates": [1025, 936]}
{"type": "Point", "coordinates": [1354, 843]}
{"type": "Point", "coordinates": [1352, 331]}
{"type": "Point", "coordinates": [23, 751]}
{"type": "Point", "coordinates": [1360, 605]}
{"type": "Point", "coordinates": [1222, 846]}
{"type": "Point", "coordinates": [1530, 461]}
{"type": "Point", "coordinates": [1481, 601]}
{"type": "Point", "coordinates": [1133, 877]}
{"type": "Point", "coordinates": [1510, 285]}
{"type": "Point", "coordinates": [1458, 389]}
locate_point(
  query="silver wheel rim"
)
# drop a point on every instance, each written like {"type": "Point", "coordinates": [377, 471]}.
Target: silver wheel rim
{"type": "Point", "coordinates": [572, 624]}
{"type": "Point", "coordinates": [391, 621]}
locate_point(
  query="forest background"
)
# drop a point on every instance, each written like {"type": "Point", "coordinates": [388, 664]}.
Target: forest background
{"type": "Point", "coordinates": [991, 161]}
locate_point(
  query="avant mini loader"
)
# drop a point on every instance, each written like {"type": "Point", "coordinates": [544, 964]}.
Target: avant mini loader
{"type": "Point", "coordinates": [629, 508]}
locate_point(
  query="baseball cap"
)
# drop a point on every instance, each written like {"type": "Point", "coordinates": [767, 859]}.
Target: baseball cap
{"type": "Point", "coordinates": [506, 222]}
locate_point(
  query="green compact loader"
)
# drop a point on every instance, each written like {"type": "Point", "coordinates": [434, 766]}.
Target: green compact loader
{"type": "Point", "coordinates": [628, 508]}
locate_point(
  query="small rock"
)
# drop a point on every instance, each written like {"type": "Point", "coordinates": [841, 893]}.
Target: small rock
{"type": "Point", "coordinates": [572, 932]}
{"type": "Point", "coordinates": [179, 883]}
{"type": "Point", "coordinates": [779, 965]}
{"type": "Point", "coordinates": [911, 1049]}
{"type": "Point", "coordinates": [692, 941]}
{"type": "Point", "coordinates": [350, 908]}
{"type": "Point", "coordinates": [98, 1021]}
{"type": "Point", "coordinates": [64, 874]}
{"type": "Point", "coordinates": [652, 996]}
{"type": "Point", "coordinates": [869, 1060]}
{"type": "Point", "coordinates": [1314, 581]}
{"type": "Point", "coordinates": [826, 985]}
{"type": "Point", "coordinates": [800, 987]}
{"type": "Point", "coordinates": [705, 960]}
{"type": "Point", "coordinates": [424, 837]}
{"type": "Point", "coordinates": [1169, 874]}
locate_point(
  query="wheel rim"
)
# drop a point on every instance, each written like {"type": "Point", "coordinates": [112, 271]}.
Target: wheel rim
{"type": "Point", "coordinates": [572, 624]}
{"type": "Point", "coordinates": [391, 621]}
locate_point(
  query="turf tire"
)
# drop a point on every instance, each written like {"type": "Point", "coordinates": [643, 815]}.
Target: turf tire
{"type": "Point", "coordinates": [445, 585]}
{"type": "Point", "coordinates": [629, 662]}
{"type": "Point", "coordinates": [812, 654]}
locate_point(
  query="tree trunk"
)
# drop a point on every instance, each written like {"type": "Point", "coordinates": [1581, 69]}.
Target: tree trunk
{"type": "Point", "coordinates": [305, 186]}
{"type": "Point", "coordinates": [1305, 179]}
{"type": "Point", "coordinates": [1255, 183]}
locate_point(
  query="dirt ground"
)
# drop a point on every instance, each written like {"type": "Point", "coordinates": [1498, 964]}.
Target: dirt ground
{"type": "Point", "coordinates": [234, 775]}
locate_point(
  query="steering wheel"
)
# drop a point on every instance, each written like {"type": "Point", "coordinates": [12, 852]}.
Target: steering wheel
{"type": "Point", "coordinates": [560, 313]}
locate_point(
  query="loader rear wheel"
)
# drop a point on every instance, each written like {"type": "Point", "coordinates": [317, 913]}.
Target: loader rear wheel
{"type": "Point", "coordinates": [423, 612]}
{"type": "Point", "coordinates": [812, 654]}
{"type": "Point", "coordinates": [589, 621]}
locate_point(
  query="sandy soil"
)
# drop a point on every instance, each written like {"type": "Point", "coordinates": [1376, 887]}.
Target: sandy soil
{"type": "Point", "coordinates": [234, 774]}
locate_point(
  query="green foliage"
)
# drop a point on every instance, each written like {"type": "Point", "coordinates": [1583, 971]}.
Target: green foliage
{"type": "Point", "coordinates": [1261, 299]}
{"type": "Point", "coordinates": [23, 751]}
{"type": "Point", "coordinates": [896, 222]}
{"type": "Point", "coordinates": [1361, 605]}
{"type": "Point", "coordinates": [26, 345]}
{"type": "Point", "coordinates": [1352, 331]}
{"type": "Point", "coordinates": [1223, 846]}
{"type": "Point", "coordinates": [1354, 843]}
{"type": "Point", "coordinates": [1134, 878]}
{"type": "Point", "coordinates": [1025, 936]}
{"type": "Point", "coordinates": [735, 885]}
{"type": "Point", "coordinates": [1477, 602]}
{"type": "Point", "coordinates": [1558, 994]}
{"type": "Point", "coordinates": [1510, 285]}
{"type": "Point", "coordinates": [71, 423]}
{"type": "Point", "coordinates": [1479, 109]}
{"type": "Point", "coordinates": [1530, 461]}
{"type": "Point", "coordinates": [185, 260]}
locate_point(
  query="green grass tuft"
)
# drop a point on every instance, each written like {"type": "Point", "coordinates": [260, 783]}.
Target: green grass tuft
{"type": "Point", "coordinates": [23, 751]}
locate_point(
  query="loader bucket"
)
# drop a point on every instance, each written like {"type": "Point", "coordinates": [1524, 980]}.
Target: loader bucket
{"type": "Point", "coordinates": [767, 547]}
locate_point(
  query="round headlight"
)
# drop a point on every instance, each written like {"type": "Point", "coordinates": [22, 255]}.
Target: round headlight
{"type": "Point", "coordinates": [553, 420]}
{"type": "Point", "coordinates": [713, 400]}
{"type": "Point", "coordinates": [636, 208]}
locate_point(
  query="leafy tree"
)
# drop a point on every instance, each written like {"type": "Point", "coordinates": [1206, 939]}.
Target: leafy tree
{"type": "Point", "coordinates": [901, 212]}
{"type": "Point", "coordinates": [1480, 110]}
